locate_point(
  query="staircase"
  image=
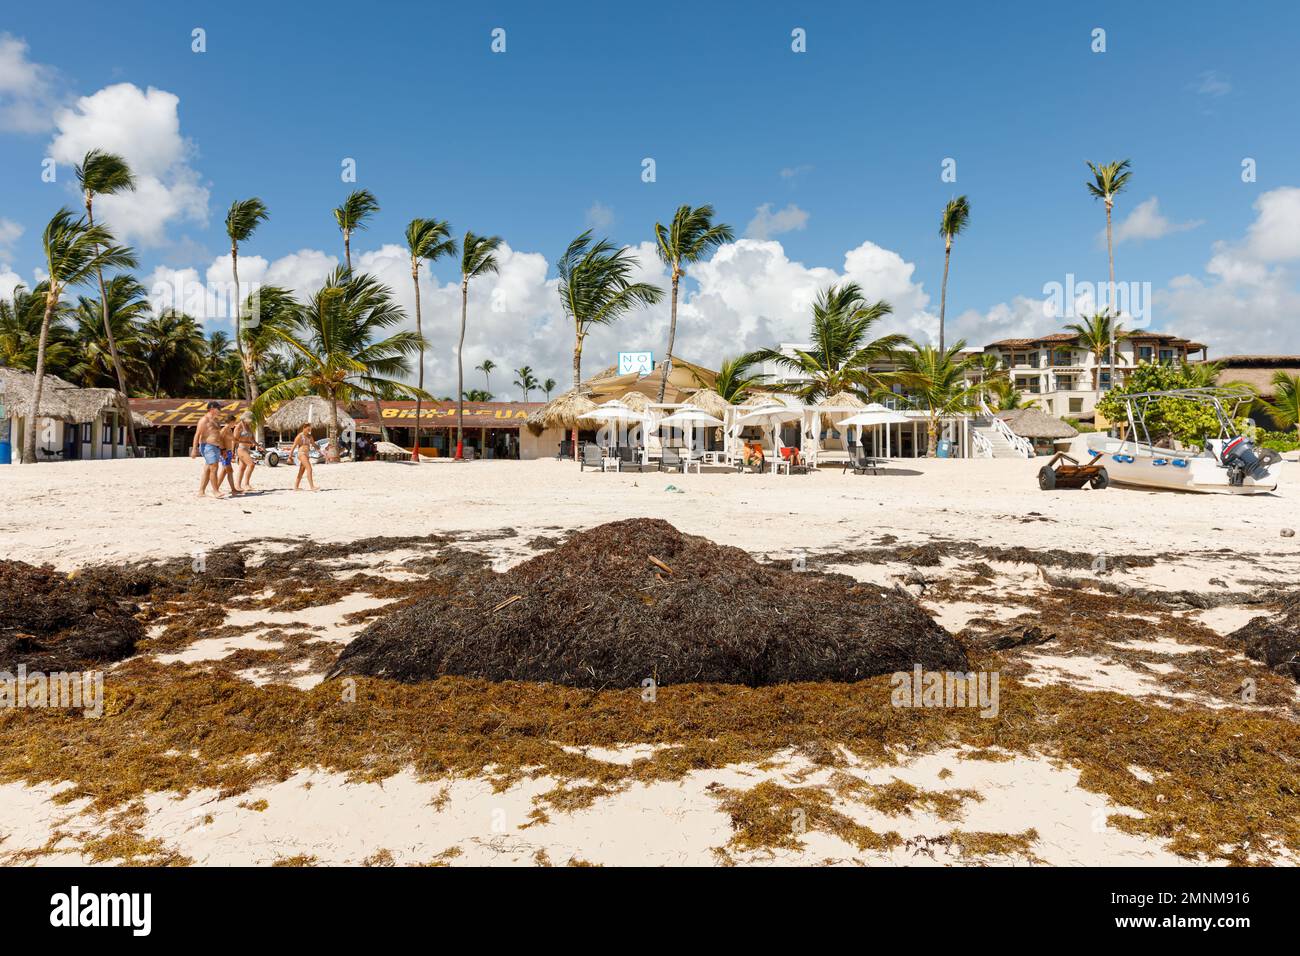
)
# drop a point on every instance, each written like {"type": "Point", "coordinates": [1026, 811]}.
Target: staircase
{"type": "Point", "coordinates": [998, 443]}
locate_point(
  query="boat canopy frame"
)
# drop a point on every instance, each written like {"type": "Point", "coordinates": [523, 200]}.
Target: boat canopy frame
{"type": "Point", "coordinates": [1216, 396]}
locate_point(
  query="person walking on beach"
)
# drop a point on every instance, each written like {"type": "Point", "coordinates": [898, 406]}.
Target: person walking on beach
{"type": "Point", "coordinates": [226, 472]}
{"type": "Point", "coordinates": [244, 453]}
{"type": "Point", "coordinates": [207, 442]}
{"type": "Point", "coordinates": [302, 449]}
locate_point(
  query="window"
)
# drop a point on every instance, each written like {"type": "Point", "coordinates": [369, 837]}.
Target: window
{"type": "Point", "coordinates": [1020, 358]}
{"type": "Point", "coordinates": [1063, 357]}
{"type": "Point", "coordinates": [1028, 383]}
{"type": "Point", "coordinates": [1166, 356]}
{"type": "Point", "coordinates": [1006, 360]}
{"type": "Point", "coordinates": [1076, 405]}
{"type": "Point", "coordinates": [1145, 353]}
{"type": "Point", "coordinates": [1033, 359]}
{"type": "Point", "coordinates": [108, 434]}
{"type": "Point", "coordinates": [1104, 377]}
{"type": "Point", "coordinates": [85, 433]}
{"type": "Point", "coordinates": [1067, 383]}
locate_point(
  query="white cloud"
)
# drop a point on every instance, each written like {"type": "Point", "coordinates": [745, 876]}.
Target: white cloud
{"type": "Point", "coordinates": [599, 217]}
{"type": "Point", "coordinates": [27, 89]}
{"type": "Point", "coordinates": [143, 126]}
{"type": "Point", "coordinates": [1146, 222]}
{"type": "Point", "coordinates": [767, 223]}
{"type": "Point", "coordinates": [9, 280]}
{"type": "Point", "coordinates": [793, 172]}
{"type": "Point", "coordinates": [10, 232]}
{"type": "Point", "coordinates": [1213, 83]}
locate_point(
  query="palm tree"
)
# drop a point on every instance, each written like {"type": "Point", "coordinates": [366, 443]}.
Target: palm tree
{"type": "Point", "coordinates": [735, 379]}
{"type": "Point", "coordinates": [275, 308]}
{"type": "Point", "coordinates": [174, 351]}
{"type": "Point", "coordinates": [1201, 375]}
{"type": "Point", "coordinates": [477, 258]}
{"type": "Point", "coordinates": [548, 386]}
{"type": "Point", "coordinates": [938, 381]}
{"type": "Point", "coordinates": [426, 240]}
{"type": "Point", "coordinates": [334, 339]}
{"type": "Point", "coordinates": [956, 216]}
{"type": "Point", "coordinates": [221, 371]}
{"type": "Point", "coordinates": [104, 354]}
{"type": "Point", "coordinates": [596, 289]}
{"type": "Point", "coordinates": [242, 221]}
{"type": "Point", "coordinates": [1108, 181]}
{"type": "Point", "coordinates": [352, 215]}
{"type": "Point", "coordinates": [689, 237]}
{"type": "Point", "coordinates": [843, 353]}
{"type": "Point", "coordinates": [1284, 409]}
{"type": "Point", "coordinates": [476, 395]}
{"type": "Point", "coordinates": [103, 174]}
{"type": "Point", "coordinates": [1097, 336]}
{"type": "Point", "coordinates": [486, 368]}
{"type": "Point", "coordinates": [525, 380]}
{"type": "Point", "coordinates": [74, 251]}
{"type": "Point", "coordinates": [21, 317]}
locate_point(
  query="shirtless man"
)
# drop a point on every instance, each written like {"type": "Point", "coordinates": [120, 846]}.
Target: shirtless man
{"type": "Point", "coordinates": [244, 453]}
{"type": "Point", "coordinates": [207, 442]}
{"type": "Point", "coordinates": [226, 472]}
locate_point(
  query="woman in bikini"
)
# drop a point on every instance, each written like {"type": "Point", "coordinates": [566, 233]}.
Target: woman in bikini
{"type": "Point", "coordinates": [244, 453]}
{"type": "Point", "coordinates": [302, 449]}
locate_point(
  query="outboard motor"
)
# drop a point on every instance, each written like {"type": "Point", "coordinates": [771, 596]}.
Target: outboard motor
{"type": "Point", "coordinates": [1242, 459]}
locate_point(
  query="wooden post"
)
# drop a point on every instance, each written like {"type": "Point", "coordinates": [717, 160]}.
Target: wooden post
{"type": "Point", "coordinates": [171, 440]}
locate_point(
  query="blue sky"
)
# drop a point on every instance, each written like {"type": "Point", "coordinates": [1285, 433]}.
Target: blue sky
{"type": "Point", "coordinates": [847, 138]}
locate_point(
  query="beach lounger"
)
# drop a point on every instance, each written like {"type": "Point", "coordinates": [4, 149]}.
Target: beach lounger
{"type": "Point", "coordinates": [671, 460]}
{"type": "Point", "coordinates": [629, 459]}
{"type": "Point", "coordinates": [861, 464]}
{"type": "Point", "coordinates": [593, 456]}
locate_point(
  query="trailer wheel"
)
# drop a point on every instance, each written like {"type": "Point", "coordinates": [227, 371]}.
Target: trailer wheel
{"type": "Point", "coordinates": [272, 458]}
{"type": "Point", "coordinates": [1046, 478]}
{"type": "Point", "coordinates": [1101, 480]}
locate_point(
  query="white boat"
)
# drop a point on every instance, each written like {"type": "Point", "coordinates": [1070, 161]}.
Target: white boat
{"type": "Point", "coordinates": [1230, 464]}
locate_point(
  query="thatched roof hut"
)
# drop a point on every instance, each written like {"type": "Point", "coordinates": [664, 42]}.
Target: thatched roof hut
{"type": "Point", "coordinates": [637, 402]}
{"type": "Point", "coordinates": [835, 405]}
{"type": "Point", "coordinates": [707, 400]}
{"type": "Point", "coordinates": [563, 411]}
{"type": "Point", "coordinates": [60, 400]}
{"type": "Point", "coordinates": [1035, 423]}
{"type": "Point", "coordinates": [305, 409]}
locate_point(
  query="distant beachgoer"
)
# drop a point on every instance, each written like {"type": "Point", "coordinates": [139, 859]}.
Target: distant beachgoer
{"type": "Point", "coordinates": [207, 442]}
{"type": "Point", "coordinates": [226, 472]}
{"type": "Point", "coordinates": [302, 448]}
{"type": "Point", "coordinates": [244, 441]}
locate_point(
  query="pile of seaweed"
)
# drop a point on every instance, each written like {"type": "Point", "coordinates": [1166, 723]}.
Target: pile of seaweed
{"type": "Point", "coordinates": [1274, 641]}
{"type": "Point", "coordinates": [56, 622]}
{"type": "Point", "coordinates": [637, 599]}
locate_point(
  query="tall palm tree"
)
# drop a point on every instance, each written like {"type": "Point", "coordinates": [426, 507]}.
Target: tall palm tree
{"type": "Point", "coordinates": [1284, 409]}
{"type": "Point", "coordinates": [74, 251]}
{"type": "Point", "coordinates": [478, 257]}
{"type": "Point", "coordinates": [477, 395]}
{"type": "Point", "coordinates": [275, 308]}
{"type": "Point", "coordinates": [843, 357]}
{"type": "Point", "coordinates": [21, 318]}
{"type": "Point", "coordinates": [688, 238]}
{"type": "Point", "coordinates": [548, 386]}
{"type": "Point", "coordinates": [1108, 181]}
{"type": "Point", "coordinates": [103, 354]}
{"type": "Point", "coordinates": [426, 240]}
{"type": "Point", "coordinates": [736, 378]}
{"type": "Point", "coordinates": [956, 216]}
{"type": "Point", "coordinates": [334, 339]}
{"type": "Point", "coordinates": [1097, 335]}
{"type": "Point", "coordinates": [352, 215]}
{"type": "Point", "coordinates": [486, 368]}
{"type": "Point", "coordinates": [221, 372]}
{"type": "Point", "coordinates": [596, 289]}
{"type": "Point", "coordinates": [524, 379]}
{"type": "Point", "coordinates": [939, 382]}
{"type": "Point", "coordinates": [242, 220]}
{"type": "Point", "coordinates": [174, 351]}
{"type": "Point", "coordinates": [104, 174]}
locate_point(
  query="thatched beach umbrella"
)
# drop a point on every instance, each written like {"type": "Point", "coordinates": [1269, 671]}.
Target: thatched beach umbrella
{"type": "Point", "coordinates": [307, 409]}
{"type": "Point", "coordinates": [707, 400]}
{"type": "Point", "coordinates": [833, 407]}
{"type": "Point", "coordinates": [1033, 423]}
{"type": "Point", "coordinates": [563, 411]}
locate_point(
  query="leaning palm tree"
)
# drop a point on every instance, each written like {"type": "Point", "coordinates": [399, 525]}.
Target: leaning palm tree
{"type": "Point", "coordinates": [688, 238]}
{"type": "Point", "coordinates": [736, 378]}
{"type": "Point", "coordinates": [339, 359]}
{"type": "Point", "coordinates": [843, 357]}
{"type": "Point", "coordinates": [1108, 181]}
{"type": "Point", "coordinates": [74, 251]}
{"type": "Point", "coordinates": [596, 289]}
{"type": "Point", "coordinates": [525, 380]}
{"type": "Point", "coordinates": [486, 368]}
{"type": "Point", "coordinates": [426, 240]}
{"type": "Point", "coordinates": [1284, 409]}
{"type": "Point", "coordinates": [548, 386]}
{"type": "Point", "coordinates": [1097, 335]}
{"type": "Point", "coordinates": [352, 215]}
{"type": "Point", "coordinates": [477, 258]}
{"type": "Point", "coordinates": [103, 174]}
{"type": "Point", "coordinates": [939, 382]}
{"type": "Point", "coordinates": [21, 317]}
{"type": "Point", "coordinates": [242, 221]}
{"type": "Point", "coordinates": [956, 216]}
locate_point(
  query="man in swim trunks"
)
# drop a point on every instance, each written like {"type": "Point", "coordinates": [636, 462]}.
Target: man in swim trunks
{"type": "Point", "coordinates": [207, 442]}
{"type": "Point", "coordinates": [226, 472]}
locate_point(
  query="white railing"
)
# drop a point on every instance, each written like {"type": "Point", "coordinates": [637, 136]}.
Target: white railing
{"type": "Point", "coordinates": [983, 447]}
{"type": "Point", "coordinates": [1020, 444]}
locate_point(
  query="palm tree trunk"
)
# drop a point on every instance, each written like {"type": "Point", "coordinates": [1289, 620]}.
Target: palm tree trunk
{"type": "Point", "coordinates": [38, 386]}
{"type": "Point", "coordinates": [460, 372]}
{"type": "Point", "coordinates": [932, 438]}
{"type": "Point", "coordinates": [112, 342]}
{"type": "Point", "coordinates": [334, 427]}
{"type": "Point", "coordinates": [347, 249]}
{"type": "Point", "coordinates": [577, 380]}
{"type": "Point", "coordinates": [943, 291]}
{"type": "Point", "coordinates": [250, 375]}
{"type": "Point", "coordinates": [415, 278]}
{"type": "Point", "coordinates": [1110, 304]}
{"type": "Point", "coordinates": [672, 337]}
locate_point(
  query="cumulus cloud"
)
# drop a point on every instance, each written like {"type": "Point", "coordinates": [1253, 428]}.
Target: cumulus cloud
{"type": "Point", "coordinates": [599, 217]}
{"type": "Point", "coordinates": [767, 223]}
{"type": "Point", "coordinates": [9, 280]}
{"type": "Point", "coordinates": [10, 232]}
{"type": "Point", "coordinates": [143, 126]}
{"type": "Point", "coordinates": [1147, 222]}
{"type": "Point", "coordinates": [27, 89]}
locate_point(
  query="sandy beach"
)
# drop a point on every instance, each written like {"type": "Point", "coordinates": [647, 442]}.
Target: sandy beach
{"type": "Point", "coordinates": [1146, 561]}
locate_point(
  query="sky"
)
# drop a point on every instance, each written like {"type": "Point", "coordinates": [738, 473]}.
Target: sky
{"type": "Point", "coordinates": [827, 135]}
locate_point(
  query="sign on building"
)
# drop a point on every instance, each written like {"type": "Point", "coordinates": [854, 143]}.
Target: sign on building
{"type": "Point", "coordinates": [643, 363]}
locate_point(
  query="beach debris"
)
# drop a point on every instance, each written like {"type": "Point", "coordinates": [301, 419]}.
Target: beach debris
{"type": "Point", "coordinates": [675, 490]}
{"type": "Point", "coordinates": [594, 619]}
{"type": "Point", "coordinates": [1288, 532]}
{"type": "Point", "coordinates": [56, 622]}
{"type": "Point", "coordinates": [1274, 641]}
{"type": "Point", "coordinates": [1005, 640]}
{"type": "Point", "coordinates": [507, 602]}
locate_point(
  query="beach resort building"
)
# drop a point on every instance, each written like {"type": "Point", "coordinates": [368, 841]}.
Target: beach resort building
{"type": "Point", "coordinates": [72, 423]}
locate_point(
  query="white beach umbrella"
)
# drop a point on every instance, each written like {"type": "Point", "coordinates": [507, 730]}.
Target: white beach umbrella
{"type": "Point", "coordinates": [690, 417]}
{"type": "Point", "coordinates": [874, 415]}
